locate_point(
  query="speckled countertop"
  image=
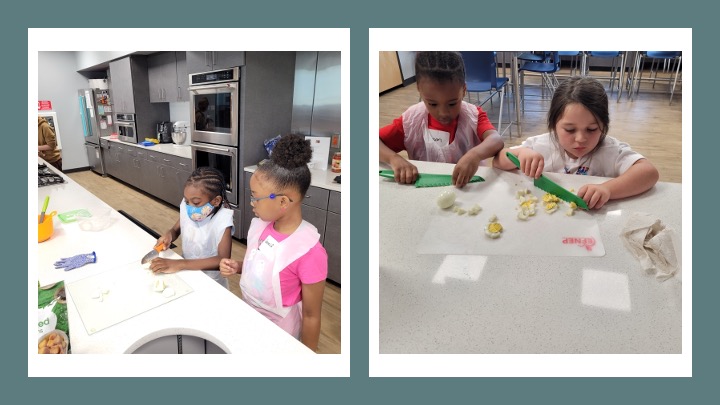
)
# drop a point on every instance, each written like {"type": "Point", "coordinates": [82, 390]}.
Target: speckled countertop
{"type": "Point", "coordinates": [436, 303]}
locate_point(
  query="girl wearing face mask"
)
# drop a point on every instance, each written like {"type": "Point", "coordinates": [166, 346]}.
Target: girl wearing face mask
{"type": "Point", "coordinates": [206, 226]}
{"type": "Point", "coordinates": [285, 265]}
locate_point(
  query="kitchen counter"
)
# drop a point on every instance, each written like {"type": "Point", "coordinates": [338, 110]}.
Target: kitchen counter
{"type": "Point", "coordinates": [465, 303]}
{"type": "Point", "coordinates": [320, 178]}
{"type": "Point", "coordinates": [209, 311]}
{"type": "Point", "coordinates": [169, 148]}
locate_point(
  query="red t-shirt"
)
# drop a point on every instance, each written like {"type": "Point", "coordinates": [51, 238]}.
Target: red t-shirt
{"type": "Point", "coordinates": [393, 135]}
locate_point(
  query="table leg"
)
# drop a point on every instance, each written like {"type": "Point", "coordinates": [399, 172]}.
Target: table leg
{"type": "Point", "coordinates": [623, 62]}
{"type": "Point", "coordinates": [516, 92]}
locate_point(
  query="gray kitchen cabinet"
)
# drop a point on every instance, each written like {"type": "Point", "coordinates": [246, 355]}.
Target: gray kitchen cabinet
{"type": "Point", "coordinates": [166, 176]}
{"type": "Point", "coordinates": [137, 176]}
{"type": "Point", "coordinates": [333, 237]}
{"type": "Point", "coordinates": [167, 77]}
{"type": "Point", "coordinates": [108, 160]}
{"type": "Point", "coordinates": [317, 217]}
{"type": "Point", "coordinates": [116, 164]}
{"type": "Point", "coordinates": [121, 83]}
{"type": "Point", "coordinates": [129, 87]}
{"type": "Point", "coordinates": [180, 170]}
{"type": "Point", "coordinates": [159, 174]}
{"type": "Point", "coordinates": [205, 61]}
{"type": "Point", "coordinates": [129, 165]}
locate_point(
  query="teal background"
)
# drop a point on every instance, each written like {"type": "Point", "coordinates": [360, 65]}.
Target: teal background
{"type": "Point", "coordinates": [359, 16]}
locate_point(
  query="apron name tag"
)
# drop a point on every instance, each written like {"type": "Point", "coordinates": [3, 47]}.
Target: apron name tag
{"type": "Point", "coordinates": [441, 138]}
{"type": "Point", "coordinates": [267, 246]}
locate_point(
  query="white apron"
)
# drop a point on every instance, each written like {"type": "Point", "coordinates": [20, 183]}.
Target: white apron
{"type": "Point", "coordinates": [423, 143]}
{"type": "Point", "coordinates": [260, 279]}
{"type": "Point", "coordinates": [201, 239]}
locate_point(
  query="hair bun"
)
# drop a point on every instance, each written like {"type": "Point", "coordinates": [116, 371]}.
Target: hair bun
{"type": "Point", "coordinates": [292, 151]}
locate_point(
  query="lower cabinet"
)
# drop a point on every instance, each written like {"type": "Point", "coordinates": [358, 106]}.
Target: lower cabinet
{"type": "Point", "coordinates": [333, 234]}
{"type": "Point", "coordinates": [158, 174]}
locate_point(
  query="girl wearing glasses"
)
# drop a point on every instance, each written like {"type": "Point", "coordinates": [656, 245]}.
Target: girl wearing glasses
{"type": "Point", "coordinates": [206, 225]}
{"type": "Point", "coordinates": [285, 266]}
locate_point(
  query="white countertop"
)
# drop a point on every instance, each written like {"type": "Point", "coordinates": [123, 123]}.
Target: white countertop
{"type": "Point", "coordinates": [169, 148]}
{"type": "Point", "coordinates": [209, 311]}
{"type": "Point", "coordinates": [438, 303]}
{"type": "Point", "coordinates": [320, 178]}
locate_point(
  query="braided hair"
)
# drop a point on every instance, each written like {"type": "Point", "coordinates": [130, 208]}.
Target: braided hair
{"type": "Point", "coordinates": [440, 67]}
{"type": "Point", "coordinates": [212, 182]}
{"type": "Point", "coordinates": [288, 165]}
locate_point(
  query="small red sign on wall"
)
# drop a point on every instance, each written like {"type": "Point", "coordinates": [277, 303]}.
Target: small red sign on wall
{"type": "Point", "coordinates": [44, 105]}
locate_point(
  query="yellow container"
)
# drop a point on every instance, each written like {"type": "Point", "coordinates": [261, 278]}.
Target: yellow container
{"type": "Point", "coordinates": [45, 229]}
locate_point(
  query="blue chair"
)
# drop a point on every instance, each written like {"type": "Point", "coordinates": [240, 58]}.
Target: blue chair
{"type": "Point", "coordinates": [576, 61]}
{"type": "Point", "coordinates": [481, 77]}
{"type": "Point", "coordinates": [617, 63]}
{"type": "Point", "coordinates": [546, 69]}
{"type": "Point", "coordinates": [669, 57]}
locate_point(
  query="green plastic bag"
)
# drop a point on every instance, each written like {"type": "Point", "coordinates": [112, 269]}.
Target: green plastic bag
{"type": "Point", "coordinates": [52, 309]}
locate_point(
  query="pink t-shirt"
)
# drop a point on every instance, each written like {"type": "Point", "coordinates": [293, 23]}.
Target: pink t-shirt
{"type": "Point", "coordinates": [308, 269]}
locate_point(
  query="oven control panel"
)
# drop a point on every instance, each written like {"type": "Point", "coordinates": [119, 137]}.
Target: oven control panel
{"type": "Point", "coordinates": [217, 76]}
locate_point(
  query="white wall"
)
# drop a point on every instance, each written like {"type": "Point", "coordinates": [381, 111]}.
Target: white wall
{"type": "Point", "coordinates": [88, 59]}
{"type": "Point", "coordinates": [180, 111]}
{"type": "Point", "coordinates": [58, 81]}
{"type": "Point", "coordinates": [407, 64]}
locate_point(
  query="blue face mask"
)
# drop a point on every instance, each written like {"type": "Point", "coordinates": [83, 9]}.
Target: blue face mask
{"type": "Point", "coordinates": [198, 214]}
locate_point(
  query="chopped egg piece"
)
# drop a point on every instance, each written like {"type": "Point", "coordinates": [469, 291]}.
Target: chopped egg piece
{"type": "Point", "coordinates": [159, 285]}
{"type": "Point", "coordinates": [551, 207]}
{"type": "Point", "coordinates": [492, 218]}
{"type": "Point", "coordinates": [550, 198]}
{"type": "Point", "coordinates": [493, 230]}
{"type": "Point", "coordinates": [474, 210]}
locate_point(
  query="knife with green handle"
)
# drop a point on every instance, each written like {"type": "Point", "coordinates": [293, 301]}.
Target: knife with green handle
{"type": "Point", "coordinates": [431, 180]}
{"type": "Point", "coordinates": [550, 186]}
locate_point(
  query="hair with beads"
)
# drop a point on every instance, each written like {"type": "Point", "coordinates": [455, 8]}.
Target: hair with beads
{"type": "Point", "coordinates": [212, 182]}
{"type": "Point", "coordinates": [586, 91]}
{"type": "Point", "coordinates": [440, 66]}
{"type": "Point", "coordinates": [288, 165]}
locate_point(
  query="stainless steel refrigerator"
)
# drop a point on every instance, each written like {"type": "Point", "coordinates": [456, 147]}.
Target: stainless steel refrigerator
{"type": "Point", "coordinates": [97, 121]}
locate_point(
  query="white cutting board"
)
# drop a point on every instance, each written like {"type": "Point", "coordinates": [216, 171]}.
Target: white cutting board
{"type": "Point", "coordinates": [130, 292]}
{"type": "Point", "coordinates": [541, 235]}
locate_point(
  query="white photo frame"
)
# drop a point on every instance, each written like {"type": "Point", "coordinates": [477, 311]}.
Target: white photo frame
{"type": "Point", "coordinates": [51, 117]}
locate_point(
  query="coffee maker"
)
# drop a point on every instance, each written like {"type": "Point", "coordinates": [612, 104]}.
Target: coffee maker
{"type": "Point", "coordinates": [164, 132]}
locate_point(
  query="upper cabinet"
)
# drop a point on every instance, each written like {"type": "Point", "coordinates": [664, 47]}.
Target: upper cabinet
{"type": "Point", "coordinates": [206, 61]}
{"type": "Point", "coordinates": [131, 92]}
{"type": "Point", "coordinates": [121, 73]}
{"type": "Point", "coordinates": [168, 77]}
